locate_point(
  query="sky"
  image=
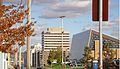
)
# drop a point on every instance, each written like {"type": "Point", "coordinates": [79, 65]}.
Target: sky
{"type": "Point", "coordinates": [78, 17]}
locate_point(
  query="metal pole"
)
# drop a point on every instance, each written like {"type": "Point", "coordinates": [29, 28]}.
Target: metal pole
{"type": "Point", "coordinates": [62, 41]}
{"type": "Point", "coordinates": [100, 32]}
{"type": "Point", "coordinates": [65, 57]}
{"type": "Point", "coordinates": [62, 37]}
{"type": "Point", "coordinates": [28, 37]}
{"type": "Point", "coordinates": [20, 57]}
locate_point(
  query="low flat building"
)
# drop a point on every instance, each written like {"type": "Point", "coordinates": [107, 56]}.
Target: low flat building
{"type": "Point", "coordinates": [35, 56]}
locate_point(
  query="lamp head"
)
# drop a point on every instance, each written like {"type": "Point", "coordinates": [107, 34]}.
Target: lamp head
{"type": "Point", "coordinates": [61, 16]}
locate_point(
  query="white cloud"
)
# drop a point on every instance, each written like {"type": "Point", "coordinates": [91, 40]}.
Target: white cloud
{"type": "Point", "coordinates": [115, 28]}
{"type": "Point", "coordinates": [15, 2]}
{"type": "Point", "coordinates": [71, 4]}
{"type": "Point", "coordinates": [44, 1]}
{"type": "Point", "coordinates": [67, 8]}
{"type": "Point", "coordinates": [39, 26]}
{"type": "Point", "coordinates": [111, 27]}
{"type": "Point", "coordinates": [53, 14]}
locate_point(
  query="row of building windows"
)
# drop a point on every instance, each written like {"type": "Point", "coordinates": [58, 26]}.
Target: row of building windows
{"type": "Point", "coordinates": [113, 46]}
{"type": "Point", "coordinates": [96, 37]}
{"type": "Point", "coordinates": [56, 36]}
{"type": "Point", "coordinates": [56, 41]}
{"type": "Point", "coordinates": [64, 41]}
{"type": "Point", "coordinates": [58, 46]}
{"type": "Point", "coordinates": [50, 49]}
{"type": "Point", "coordinates": [55, 33]}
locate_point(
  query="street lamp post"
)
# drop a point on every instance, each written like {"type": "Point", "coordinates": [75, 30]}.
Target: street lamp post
{"type": "Point", "coordinates": [62, 36]}
{"type": "Point", "coordinates": [66, 54]}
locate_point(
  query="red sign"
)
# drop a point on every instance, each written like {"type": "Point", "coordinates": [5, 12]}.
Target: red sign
{"type": "Point", "coordinates": [95, 10]}
{"type": "Point", "coordinates": [105, 10]}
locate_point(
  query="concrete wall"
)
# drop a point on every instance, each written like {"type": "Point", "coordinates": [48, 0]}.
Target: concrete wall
{"type": "Point", "coordinates": [87, 38]}
{"type": "Point", "coordinates": [79, 41]}
{"type": "Point", "coordinates": [3, 62]}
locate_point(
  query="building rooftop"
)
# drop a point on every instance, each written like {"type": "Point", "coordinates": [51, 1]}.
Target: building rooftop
{"type": "Point", "coordinates": [105, 35]}
{"type": "Point", "coordinates": [55, 30]}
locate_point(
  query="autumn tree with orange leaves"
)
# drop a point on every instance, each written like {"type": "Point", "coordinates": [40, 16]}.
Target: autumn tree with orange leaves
{"type": "Point", "coordinates": [9, 35]}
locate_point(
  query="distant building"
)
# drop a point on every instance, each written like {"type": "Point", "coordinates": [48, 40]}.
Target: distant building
{"type": "Point", "coordinates": [3, 60]}
{"type": "Point", "coordinates": [36, 55]}
{"type": "Point", "coordinates": [90, 38]}
{"type": "Point", "coordinates": [52, 39]}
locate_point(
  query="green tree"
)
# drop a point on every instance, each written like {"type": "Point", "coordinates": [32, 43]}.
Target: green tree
{"type": "Point", "coordinates": [51, 56]}
{"type": "Point", "coordinates": [108, 54]}
{"type": "Point", "coordinates": [55, 55]}
{"type": "Point", "coordinates": [86, 56]}
{"type": "Point", "coordinates": [58, 55]}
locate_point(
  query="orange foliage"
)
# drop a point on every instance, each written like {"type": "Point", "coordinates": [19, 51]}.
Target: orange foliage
{"type": "Point", "coordinates": [9, 36]}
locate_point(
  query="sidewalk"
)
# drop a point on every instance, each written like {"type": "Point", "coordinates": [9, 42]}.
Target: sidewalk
{"type": "Point", "coordinates": [31, 68]}
{"type": "Point", "coordinates": [47, 68]}
{"type": "Point", "coordinates": [10, 67]}
{"type": "Point", "coordinates": [43, 68]}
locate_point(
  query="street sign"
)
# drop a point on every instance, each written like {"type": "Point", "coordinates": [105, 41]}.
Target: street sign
{"type": "Point", "coordinates": [95, 10]}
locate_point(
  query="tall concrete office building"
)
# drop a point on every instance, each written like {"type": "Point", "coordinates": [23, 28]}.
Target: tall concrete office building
{"type": "Point", "coordinates": [52, 39]}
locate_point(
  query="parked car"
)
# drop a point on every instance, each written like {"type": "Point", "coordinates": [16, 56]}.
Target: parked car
{"type": "Point", "coordinates": [75, 63]}
{"type": "Point", "coordinates": [79, 64]}
{"type": "Point", "coordinates": [67, 62]}
{"type": "Point", "coordinates": [54, 62]}
{"type": "Point", "coordinates": [39, 68]}
{"type": "Point", "coordinates": [117, 63]}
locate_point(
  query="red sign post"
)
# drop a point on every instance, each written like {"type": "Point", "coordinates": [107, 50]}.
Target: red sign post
{"type": "Point", "coordinates": [100, 13]}
{"type": "Point", "coordinates": [95, 10]}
